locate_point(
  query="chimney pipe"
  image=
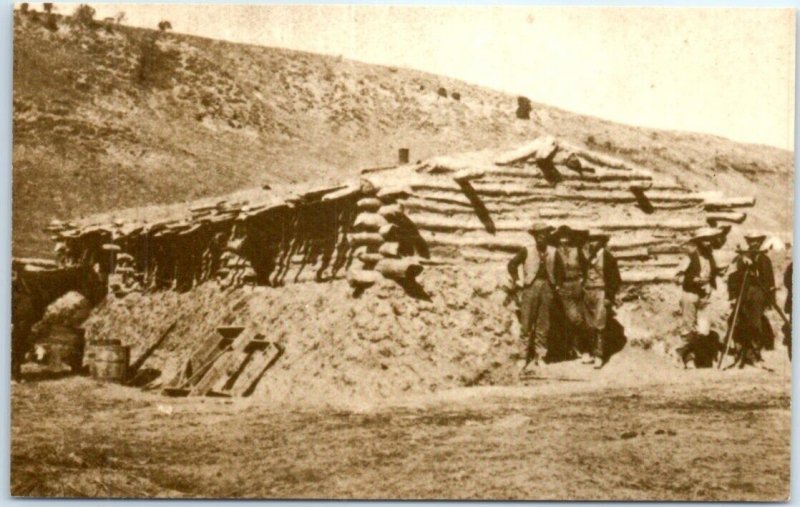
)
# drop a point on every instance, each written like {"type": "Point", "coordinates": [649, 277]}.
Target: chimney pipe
{"type": "Point", "coordinates": [402, 156]}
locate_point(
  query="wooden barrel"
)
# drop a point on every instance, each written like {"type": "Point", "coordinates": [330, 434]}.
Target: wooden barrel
{"type": "Point", "coordinates": [109, 360]}
{"type": "Point", "coordinates": [65, 347]}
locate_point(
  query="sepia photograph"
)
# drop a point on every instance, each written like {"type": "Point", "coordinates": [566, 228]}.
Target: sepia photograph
{"type": "Point", "coordinates": [374, 252]}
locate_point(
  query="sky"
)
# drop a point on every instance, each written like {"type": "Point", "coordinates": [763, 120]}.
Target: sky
{"type": "Point", "coordinates": [726, 72]}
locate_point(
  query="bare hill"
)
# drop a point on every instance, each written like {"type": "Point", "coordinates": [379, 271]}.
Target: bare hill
{"type": "Point", "coordinates": [110, 117]}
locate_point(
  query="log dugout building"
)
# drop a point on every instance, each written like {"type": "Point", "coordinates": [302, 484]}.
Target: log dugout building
{"type": "Point", "coordinates": [465, 210]}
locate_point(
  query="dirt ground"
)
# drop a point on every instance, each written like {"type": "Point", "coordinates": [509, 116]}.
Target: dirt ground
{"type": "Point", "coordinates": [639, 429]}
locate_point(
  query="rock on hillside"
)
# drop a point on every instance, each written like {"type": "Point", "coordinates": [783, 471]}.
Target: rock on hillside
{"type": "Point", "coordinates": [114, 116]}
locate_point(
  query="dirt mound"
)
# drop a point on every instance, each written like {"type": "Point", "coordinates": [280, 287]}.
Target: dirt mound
{"type": "Point", "coordinates": [382, 344]}
{"type": "Point", "coordinates": [341, 349]}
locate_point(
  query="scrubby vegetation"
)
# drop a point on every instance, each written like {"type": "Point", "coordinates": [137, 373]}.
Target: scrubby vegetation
{"type": "Point", "coordinates": [117, 117]}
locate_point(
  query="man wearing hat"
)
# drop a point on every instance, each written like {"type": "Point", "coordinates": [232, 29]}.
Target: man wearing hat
{"type": "Point", "coordinates": [697, 275]}
{"type": "Point", "coordinates": [537, 295]}
{"type": "Point", "coordinates": [787, 308]}
{"type": "Point", "coordinates": [752, 331]}
{"type": "Point", "coordinates": [570, 271]}
{"type": "Point", "coordinates": [599, 293]}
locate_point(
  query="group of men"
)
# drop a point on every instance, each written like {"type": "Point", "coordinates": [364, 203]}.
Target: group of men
{"type": "Point", "coordinates": [568, 290]}
{"type": "Point", "coordinates": [569, 283]}
{"type": "Point", "coordinates": [751, 291]}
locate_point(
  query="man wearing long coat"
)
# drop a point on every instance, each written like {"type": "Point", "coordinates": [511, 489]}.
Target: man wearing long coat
{"type": "Point", "coordinates": [753, 278]}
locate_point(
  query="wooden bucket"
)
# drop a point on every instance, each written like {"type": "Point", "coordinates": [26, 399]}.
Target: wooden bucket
{"type": "Point", "coordinates": [65, 347]}
{"type": "Point", "coordinates": [109, 361]}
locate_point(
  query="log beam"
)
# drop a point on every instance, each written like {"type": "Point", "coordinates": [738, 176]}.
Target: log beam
{"type": "Point", "coordinates": [361, 279]}
{"type": "Point", "coordinates": [406, 268]}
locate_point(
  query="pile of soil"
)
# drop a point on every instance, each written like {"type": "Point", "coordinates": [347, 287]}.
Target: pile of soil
{"type": "Point", "coordinates": [381, 344]}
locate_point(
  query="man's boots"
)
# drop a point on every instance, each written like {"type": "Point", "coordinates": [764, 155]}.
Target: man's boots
{"type": "Point", "coordinates": [686, 351]}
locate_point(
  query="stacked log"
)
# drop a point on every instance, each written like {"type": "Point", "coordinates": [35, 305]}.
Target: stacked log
{"type": "Point", "coordinates": [380, 224]}
{"type": "Point", "coordinates": [306, 235]}
{"type": "Point", "coordinates": [474, 208]}
{"type": "Point", "coordinates": [650, 219]}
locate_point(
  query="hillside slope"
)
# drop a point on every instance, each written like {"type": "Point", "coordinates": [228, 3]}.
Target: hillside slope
{"type": "Point", "coordinates": [106, 118]}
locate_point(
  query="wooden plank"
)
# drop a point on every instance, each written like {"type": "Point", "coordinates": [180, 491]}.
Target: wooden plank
{"type": "Point", "coordinates": [261, 360]}
{"type": "Point", "coordinates": [543, 147]}
{"type": "Point", "coordinates": [483, 188]}
{"type": "Point", "coordinates": [203, 358]}
{"type": "Point", "coordinates": [526, 173]}
{"type": "Point", "coordinates": [347, 191]}
{"type": "Point", "coordinates": [729, 216]}
{"type": "Point", "coordinates": [725, 203]}
{"type": "Point", "coordinates": [596, 157]}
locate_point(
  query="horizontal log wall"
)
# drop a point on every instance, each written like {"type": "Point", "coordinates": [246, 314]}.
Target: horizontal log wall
{"type": "Point", "coordinates": [394, 222]}
{"type": "Point", "coordinates": [481, 214]}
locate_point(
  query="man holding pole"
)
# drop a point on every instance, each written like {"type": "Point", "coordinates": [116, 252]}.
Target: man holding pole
{"type": "Point", "coordinates": [537, 294]}
{"type": "Point", "coordinates": [752, 281]}
{"type": "Point", "coordinates": [697, 276]}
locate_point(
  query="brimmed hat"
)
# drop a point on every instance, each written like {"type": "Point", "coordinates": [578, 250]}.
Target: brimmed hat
{"type": "Point", "coordinates": [597, 235]}
{"type": "Point", "coordinates": [572, 232]}
{"type": "Point", "coordinates": [563, 230]}
{"type": "Point", "coordinates": [540, 228]}
{"type": "Point", "coordinates": [750, 238]}
{"type": "Point", "coordinates": [754, 241]}
{"type": "Point", "coordinates": [706, 233]}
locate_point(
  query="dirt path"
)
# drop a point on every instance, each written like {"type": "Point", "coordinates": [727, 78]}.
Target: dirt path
{"type": "Point", "coordinates": [625, 433]}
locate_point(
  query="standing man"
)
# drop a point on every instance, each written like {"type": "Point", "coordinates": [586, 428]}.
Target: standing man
{"type": "Point", "coordinates": [697, 276]}
{"type": "Point", "coordinates": [570, 271]}
{"type": "Point", "coordinates": [753, 331]}
{"type": "Point", "coordinates": [599, 293]}
{"type": "Point", "coordinates": [787, 308]}
{"type": "Point", "coordinates": [536, 298]}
